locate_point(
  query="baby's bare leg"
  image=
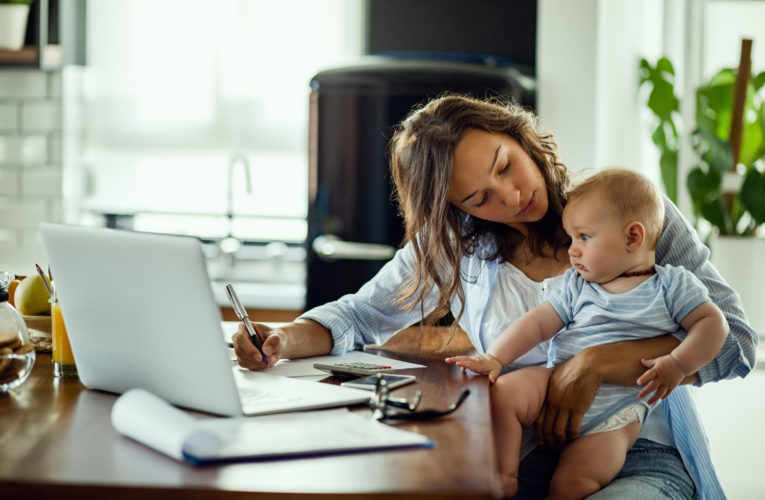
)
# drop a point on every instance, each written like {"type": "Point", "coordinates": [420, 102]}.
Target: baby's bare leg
{"type": "Point", "coordinates": [516, 398]}
{"type": "Point", "coordinates": [590, 462]}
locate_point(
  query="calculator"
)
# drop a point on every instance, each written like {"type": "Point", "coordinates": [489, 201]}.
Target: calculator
{"type": "Point", "coordinates": [352, 369]}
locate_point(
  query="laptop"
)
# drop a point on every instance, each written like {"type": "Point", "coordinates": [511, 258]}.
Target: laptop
{"type": "Point", "coordinates": [140, 312]}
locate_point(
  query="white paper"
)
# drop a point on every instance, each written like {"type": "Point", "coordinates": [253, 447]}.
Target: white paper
{"type": "Point", "coordinates": [153, 422]}
{"type": "Point", "coordinates": [295, 434]}
{"type": "Point", "coordinates": [150, 420]}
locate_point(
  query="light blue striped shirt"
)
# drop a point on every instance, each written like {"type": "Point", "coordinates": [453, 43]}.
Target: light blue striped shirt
{"type": "Point", "coordinates": [371, 315]}
{"type": "Point", "coordinates": [594, 316]}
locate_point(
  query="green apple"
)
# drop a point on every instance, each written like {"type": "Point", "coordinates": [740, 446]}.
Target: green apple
{"type": "Point", "coordinates": [31, 296]}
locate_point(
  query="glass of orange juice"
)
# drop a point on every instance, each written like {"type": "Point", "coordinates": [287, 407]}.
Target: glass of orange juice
{"type": "Point", "coordinates": [63, 359]}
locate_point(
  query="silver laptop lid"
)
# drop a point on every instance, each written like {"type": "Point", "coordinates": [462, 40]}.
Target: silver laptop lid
{"type": "Point", "coordinates": [140, 312]}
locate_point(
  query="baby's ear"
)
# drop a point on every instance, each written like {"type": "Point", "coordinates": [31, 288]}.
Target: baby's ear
{"type": "Point", "coordinates": [634, 233]}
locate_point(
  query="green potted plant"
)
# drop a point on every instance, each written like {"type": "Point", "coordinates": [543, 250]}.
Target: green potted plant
{"type": "Point", "coordinates": [662, 102]}
{"type": "Point", "coordinates": [13, 23]}
{"type": "Point", "coordinates": [726, 182]}
{"type": "Point", "coordinates": [728, 193]}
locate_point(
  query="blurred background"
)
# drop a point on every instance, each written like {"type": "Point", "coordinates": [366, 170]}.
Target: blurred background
{"type": "Point", "coordinates": [192, 117]}
{"type": "Point", "coordinates": [260, 126]}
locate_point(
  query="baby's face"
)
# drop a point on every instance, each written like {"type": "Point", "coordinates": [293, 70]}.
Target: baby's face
{"type": "Point", "coordinates": [598, 238]}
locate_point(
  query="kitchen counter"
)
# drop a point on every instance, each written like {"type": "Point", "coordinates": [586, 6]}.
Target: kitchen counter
{"type": "Point", "coordinates": [289, 296]}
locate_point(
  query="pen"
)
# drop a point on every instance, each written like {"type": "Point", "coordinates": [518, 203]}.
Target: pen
{"type": "Point", "coordinates": [241, 313]}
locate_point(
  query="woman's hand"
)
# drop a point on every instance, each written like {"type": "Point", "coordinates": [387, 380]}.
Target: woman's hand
{"type": "Point", "coordinates": [574, 383]}
{"type": "Point", "coordinates": [570, 392]}
{"type": "Point", "coordinates": [248, 356]}
{"type": "Point", "coordinates": [663, 375]}
{"type": "Point", "coordinates": [302, 338]}
{"type": "Point", "coordinates": [480, 363]}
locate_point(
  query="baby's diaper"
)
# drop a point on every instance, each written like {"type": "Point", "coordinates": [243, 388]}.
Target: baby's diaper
{"type": "Point", "coordinates": [633, 413]}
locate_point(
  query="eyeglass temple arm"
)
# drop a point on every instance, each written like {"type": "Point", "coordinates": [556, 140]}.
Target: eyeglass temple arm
{"type": "Point", "coordinates": [430, 412]}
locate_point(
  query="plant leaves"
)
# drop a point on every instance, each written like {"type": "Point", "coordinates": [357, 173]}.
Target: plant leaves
{"type": "Point", "coordinates": [715, 212]}
{"type": "Point", "coordinates": [714, 103]}
{"type": "Point", "coordinates": [703, 187]}
{"type": "Point", "coordinates": [758, 81]}
{"type": "Point", "coordinates": [753, 195]}
{"type": "Point", "coordinates": [645, 71]}
{"type": "Point", "coordinates": [713, 151]}
{"type": "Point", "coordinates": [664, 105]}
{"type": "Point", "coordinates": [668, 168]}
{"type": "Point", "coordinates": [665, 65]}
{"type": "Point", "coordinates": [751, 143]}
{"type": "Point", "coordinates": [710, 141]}
{"type": "Point", "coordinates": [726, 77]}
{"type": "Point", "coordinates": [662, 100]}
{"type": "Point", "coordinates": [659, 138]}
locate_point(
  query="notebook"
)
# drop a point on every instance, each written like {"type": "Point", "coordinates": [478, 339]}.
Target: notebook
{"type": "Point", "coordinates": [140, 313]}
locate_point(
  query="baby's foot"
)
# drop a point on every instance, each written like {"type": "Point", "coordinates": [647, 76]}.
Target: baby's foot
{"type": "Point", "coordinates": [509, 485]}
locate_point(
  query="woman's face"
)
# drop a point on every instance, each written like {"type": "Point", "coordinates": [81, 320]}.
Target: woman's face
{"type": "Point", "coordinates": [495, 180]}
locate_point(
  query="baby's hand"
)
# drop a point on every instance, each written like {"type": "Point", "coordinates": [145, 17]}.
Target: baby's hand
{"type": "Point", "coordinates": [480, 363]}
{"type": "Point", "coordinates": [663, 375]}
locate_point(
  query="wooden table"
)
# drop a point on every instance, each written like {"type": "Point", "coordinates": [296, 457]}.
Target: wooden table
{"type": "Point", "coordinates": [57, 441]}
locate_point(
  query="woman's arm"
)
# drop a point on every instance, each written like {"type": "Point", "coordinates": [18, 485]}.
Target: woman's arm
{"type": "Point", "coordinates": [368, 316]}
{"type": "Point", "coordinates": [372, 315]}
{"type": "Point", "coordinates": [680, 246]}
{"type": "Point", "coordinates": [574, 383]}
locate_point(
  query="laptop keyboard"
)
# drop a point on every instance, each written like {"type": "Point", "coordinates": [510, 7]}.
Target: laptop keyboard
{"type": "Point", "coordinates": [253, 398]}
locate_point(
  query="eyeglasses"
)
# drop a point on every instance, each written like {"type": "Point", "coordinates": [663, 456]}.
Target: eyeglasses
{"type": "Point", "coordinates": [385, 407]}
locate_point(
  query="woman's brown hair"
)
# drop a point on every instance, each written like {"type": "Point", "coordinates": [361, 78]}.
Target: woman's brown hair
{"type": "Point", "coordinates": [421, 159]}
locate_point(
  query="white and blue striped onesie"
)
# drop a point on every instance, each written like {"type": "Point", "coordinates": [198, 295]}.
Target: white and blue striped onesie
{"type": "Point", "coordinates": [594, 316]}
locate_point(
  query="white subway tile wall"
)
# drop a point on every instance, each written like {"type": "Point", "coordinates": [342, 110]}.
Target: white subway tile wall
{"type": "Point", "coordinates": [44, 115]}
{"type": "Point", "coordinates": [24, 84]}
{"type": "Point", "coordinates": [31, 130]}
{"type": "Point", "coordinates": [9, 116]}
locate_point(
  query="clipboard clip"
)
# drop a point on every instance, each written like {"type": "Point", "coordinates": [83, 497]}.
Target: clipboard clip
{"type": "Point", "coordinates": [385, 407]}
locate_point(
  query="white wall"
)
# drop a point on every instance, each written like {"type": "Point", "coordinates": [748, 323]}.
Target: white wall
{"type": "Point", "coordinates": [566, 70]}
{"type": "Point", "coordinates": [588, 53]}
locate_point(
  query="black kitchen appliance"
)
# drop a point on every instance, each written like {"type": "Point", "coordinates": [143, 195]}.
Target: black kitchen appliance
{"type": "Point", "coordinates": [353, 223]}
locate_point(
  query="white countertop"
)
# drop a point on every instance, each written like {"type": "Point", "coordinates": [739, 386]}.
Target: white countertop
{"type": "Point", "coordinates": [289, 297]}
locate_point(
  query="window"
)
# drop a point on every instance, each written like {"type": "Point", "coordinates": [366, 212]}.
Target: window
{"type": "Point", "coordinates": [175, 90]}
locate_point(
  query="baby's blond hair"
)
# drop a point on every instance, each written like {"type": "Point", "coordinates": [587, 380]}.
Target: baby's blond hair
{"type": "Point", "coordinates": [631, 196]}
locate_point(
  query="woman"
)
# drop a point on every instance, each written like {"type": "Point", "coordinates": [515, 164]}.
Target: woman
{"type": "Point", "coordinates": [482, 192]}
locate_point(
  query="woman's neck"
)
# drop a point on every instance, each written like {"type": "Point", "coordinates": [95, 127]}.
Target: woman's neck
{"type": "Point", "coordinates": [538, 266]}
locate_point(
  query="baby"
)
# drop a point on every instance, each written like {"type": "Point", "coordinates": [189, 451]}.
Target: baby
{"type": "Point", "coordinates": [614, 292]}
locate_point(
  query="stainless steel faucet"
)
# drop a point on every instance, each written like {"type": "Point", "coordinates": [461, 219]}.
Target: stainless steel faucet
{"type": "Point", "coordinates": [236, 159]}
{"type": "Point", "coordinates": [230, 244]}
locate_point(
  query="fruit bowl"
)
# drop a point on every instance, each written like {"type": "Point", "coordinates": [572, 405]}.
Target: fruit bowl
{"type": "Point", "coordinates": [39, 323]}
{"type": "Point", "coordinates": [16, 362]}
